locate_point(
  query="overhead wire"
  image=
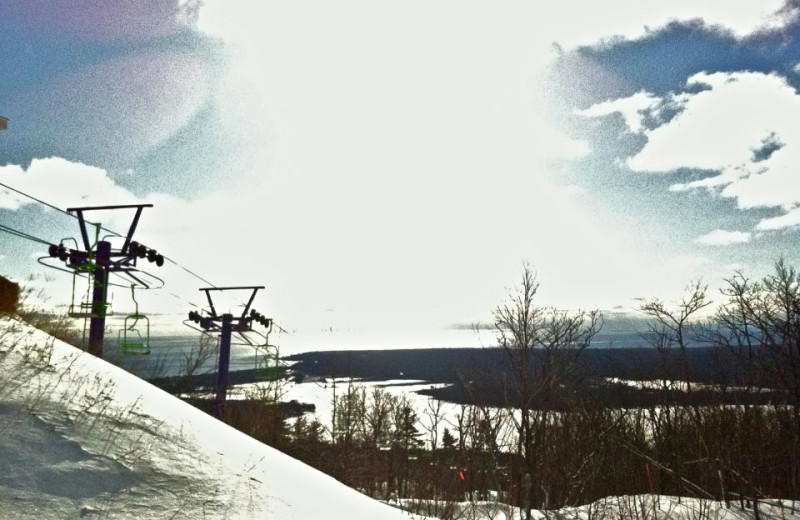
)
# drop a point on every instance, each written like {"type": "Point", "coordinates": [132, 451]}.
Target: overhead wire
{"type": "Point", "coordinates": [189, 271]}
{"type": "Point", "coordinates": [37, 200]}
{"type": "Point", "coordinates": [23, 234]}
{"type": "Point", "coordinates": [183, 300]}
{"type": "Point", "coordinates": [56, 208]}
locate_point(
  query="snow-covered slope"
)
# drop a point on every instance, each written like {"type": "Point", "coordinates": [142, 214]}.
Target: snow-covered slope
{"type": "Point", "coordinates": [82, 438]}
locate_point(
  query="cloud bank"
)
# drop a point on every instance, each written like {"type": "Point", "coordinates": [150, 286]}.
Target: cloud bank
{"type": "Point", "coordinates": [720, 237]}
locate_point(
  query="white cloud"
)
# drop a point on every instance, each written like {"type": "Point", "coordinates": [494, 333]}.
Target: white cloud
{"type": "Point", "coordinates": [720, 127]}
{"type": "Point", "coordinates": [390, 155]}
{"type": "Point", "coordinates": [720, 237]}
{"type": "Point", "coordinates": [742, 128]}
{"type": "Point", "coordinates": [790, 219]}
{"type": "Point", "coordinates": [410, 143]}
{"type": "Point", "coordinates": [406, 136]}
{"type": "Point", "coordinates": [61, 183]}
{"type": "Point", "coordinates": [633, 109]}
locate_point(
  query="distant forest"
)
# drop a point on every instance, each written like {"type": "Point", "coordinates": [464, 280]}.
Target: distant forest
{"type": "Point", "coordinates": [480, 375]}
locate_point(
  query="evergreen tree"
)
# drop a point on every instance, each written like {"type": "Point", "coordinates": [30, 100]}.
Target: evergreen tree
{"type": "Point", "coordinates": [406, 433]}
{"type": "Point", "coordinates": [448, 440]}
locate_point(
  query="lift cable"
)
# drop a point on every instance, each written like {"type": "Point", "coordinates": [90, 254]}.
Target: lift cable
{"type": "Point", "coordinates": [22, 234]}
{"type": "Point", "coordinates": [51, 206]}
{"type": "Point", "coordinates": [170, 260]}
{"type": "Point", "coordinates": [189, 271]}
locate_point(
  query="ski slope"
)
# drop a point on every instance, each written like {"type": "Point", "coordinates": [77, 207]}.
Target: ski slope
{"type": "Point", "coordinates": [82, 438]}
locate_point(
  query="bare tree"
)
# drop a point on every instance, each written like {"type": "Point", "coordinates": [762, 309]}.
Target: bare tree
{"type": "Point", "coordinates": [760, 322]}
{"type": "Point", "coordinates": [378, 418]}
{"type": "Point", "coordinates": [674, 329]}
{"type": "Point", "coordinates": [763, 320]}
{"type": "Point", "coordinates": [462, 425]}
{"type": "Point", "coordinates": [542, 346]}
{"type": "Point", "coordinates": [432, 418]}
{"type": "Point", "coordinates": [348, 415]}
{"type": "Point", "coordinates": [198, 355]}
{"type": "Point", "coordinates": [671, 331]}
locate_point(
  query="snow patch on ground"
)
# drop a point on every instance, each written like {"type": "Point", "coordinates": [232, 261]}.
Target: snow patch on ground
{"type": "Point", "coordinates": [632, 507]}
{"type": "Point", "coordinates": [681, 386]}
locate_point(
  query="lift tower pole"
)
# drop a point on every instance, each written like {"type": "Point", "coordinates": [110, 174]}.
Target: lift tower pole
{"type": "Point", "coordinates": [224, 365]}
{"type": "Point", "coordinates": [225, 324]}
{"type": "Point", "coordinates": [97, 322]}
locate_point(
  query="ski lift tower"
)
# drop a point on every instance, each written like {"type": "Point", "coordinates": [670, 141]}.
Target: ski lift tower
{"type": "Point", "coordinates": [95, 259]}
{"type": "Point", "coordinates": [225, 324]}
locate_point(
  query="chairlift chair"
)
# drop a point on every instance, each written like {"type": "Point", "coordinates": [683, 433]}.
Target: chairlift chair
{"type": "Point", "coordinates": [265, 355]}
{"type": "Point", "coordinates": [266, 361]}
{"type": "Point", "coordinates": [83, 266]}
{"type": "Point", "coordinates": [81, 305]}
{"type": "Point", "coordinates": [134, 338]}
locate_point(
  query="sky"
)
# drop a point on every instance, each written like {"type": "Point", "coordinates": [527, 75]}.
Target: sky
{"type": "Point", "coordinates": [391, 166]}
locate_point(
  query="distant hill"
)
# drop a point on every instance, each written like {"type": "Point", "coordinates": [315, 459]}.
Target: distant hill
{"type": "Point", "coordinates": [482, 374]}
{"type": "Point", "coordinates": [449, 365]}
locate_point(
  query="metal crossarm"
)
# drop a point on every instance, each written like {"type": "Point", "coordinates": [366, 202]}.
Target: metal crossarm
{"type": "Point", "coordinates": [82, 221]}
